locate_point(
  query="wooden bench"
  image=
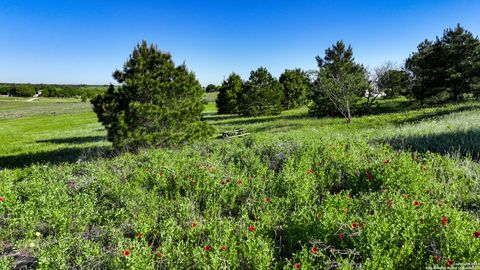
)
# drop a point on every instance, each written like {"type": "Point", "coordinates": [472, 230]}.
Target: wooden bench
{"type": "Point", "coordinates": [234, 133]}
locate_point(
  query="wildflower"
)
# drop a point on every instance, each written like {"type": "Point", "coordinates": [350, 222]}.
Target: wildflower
{"type": "Point", "coordinates": [437, 258]}
{"type": "Point", "coordinates": [215, 171]}
{"type": "Point", "coordinates": [349, 196]}
{"type": "Point", "coordinates": [341, 235]}
{"type": "Point", "coordinates": [440, 204]}
{"type": "Point", "coordinates": [389, 203]}
{"type": "Point", "coordinates": [194, 225]}
{"type": "Point", "coordinates": [159, 254]}
{"type": "Point", "coordinates": [297, 266]}
{"type": "Point", "coordinates": [476, 234]}
{"type": "Point", "coordinates": [369, 176]}
{"type": "Point", "coordinates": [251, 228]}
{"type": "Point", "coordinates": [189, 177]}
{"type": "Point", "coordinates": [444, 221]}
{"type": "Point", "coordinates": [224, 248]}
{"type": "Point", "coordinates": [361, 225]}
{"type": "Point", "coordinates": [386, 161]}
{"type": "Point", "coordinates": [416, 203]}
{"type": "Point", "coordinates": [310, 171]}
{"type": "Point", "coordinates": [239, 181]}
{"type": "Point", "coordinates": [132, 248]}
{"type": "Point", "coordinates": [207, 248]}
{"type": "Point", "coordinates": [314, 250]}
{"type": "Point", "coordinates": [139, 235]}
{"type": "Point", "coordinates": [126, 252]}
{"type": "Point", "coordinates": [161, 174]}
{"type": "Point", "coordinates": [354, 225]}
{"type": "Point", "coordinates": [405, 196]}
{"type": "Point", "coordinates": [267, 199]}
{"type": "Point", "coordinates": [450, 262]}
{"type": "Point", "coordinates": [2, 199]}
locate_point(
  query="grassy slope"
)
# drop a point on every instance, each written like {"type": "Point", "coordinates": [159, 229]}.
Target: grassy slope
{"type": "Point", "coordinates": [93, 211]}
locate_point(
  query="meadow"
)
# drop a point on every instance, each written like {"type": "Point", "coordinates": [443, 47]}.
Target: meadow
{"type": "Point", "coordinates": [397, 189]}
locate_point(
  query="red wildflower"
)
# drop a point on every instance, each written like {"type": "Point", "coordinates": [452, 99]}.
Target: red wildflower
{"type": "Point", "coordinates": [297, 266]}
{"type": "Point", "coordinates": [437, 258]}
{"type": "Point", "coordinates": [239, 181]}
{"type": "Point", "coordinates": [251, 228]}
{"type": "Point", "coordinates": [189, 177]}
{"type": "Point", "coordinates": [194, 225]}
{"type": "Point", "coordinates": [159, 254]}
{"type": "Point", "coordinates": [207, 248]}
{"type": "Point", "coordinates": [161, 174]}
{"type": "Point", "coordinates": [139, 235]}
{"type": "Point", "coordinates": [341, 235]}
{"type": "Point", "coordinates": [310, 171]}
{"type": "Point", "coordinates": [354, 225]}
{"type": "Point", "coordinates": [369, 176]}
{"type": "Point", "coordinates": [405, 196]}
{"type": "Point", "coordinates": [215, 171]}
{"type": "Point", "coordinates": [389, 203]}
{"type": "Point", "coordinates": [416, 203]}
{"type": "Point", "coordinates": [476, 234]}
{"type": "Point", "coordinates": [126, 252]}
{"type": "Point", "coordinates": [386, 161]}
{"type": "Point", "coordinates": [267, 199]}
{"type": "Point", "coordinates": [444, 221]}
{"type": "Point", "coordinates": [450, 262]}
{"type": "Point", "coordinates": [224, 248]}
{"type": "Point", "coordinates": [2, 199]}
{"type": "Point", "coordinates": [314, 250]}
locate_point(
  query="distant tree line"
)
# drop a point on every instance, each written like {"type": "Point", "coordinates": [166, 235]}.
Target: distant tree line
{"type": "Point", "coordinates": [50, 90]}
{"type": "Point", "coordinates": [447, 69]}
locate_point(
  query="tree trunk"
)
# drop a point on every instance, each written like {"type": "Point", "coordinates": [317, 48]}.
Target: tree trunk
{"type": "Point", "coordinates": [349, 117]}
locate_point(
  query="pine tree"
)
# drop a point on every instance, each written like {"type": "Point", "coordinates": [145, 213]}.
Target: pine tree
{"type": "Point", "coordinates": [157, 104]}
{"type": "Point", "coordinates": [296, 88]}
{"type": "Point", "coordinates": [340, 83]}
{"type": "Point", "coordinates": [227, 100]}
{"type": "Point", "coordinates": [449, 65]}
{"type": "Point", "coordinates": [261, 95]}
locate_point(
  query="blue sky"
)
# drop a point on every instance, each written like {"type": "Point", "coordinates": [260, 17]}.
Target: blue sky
{"type": "Point", "coordinates": [80, 41]}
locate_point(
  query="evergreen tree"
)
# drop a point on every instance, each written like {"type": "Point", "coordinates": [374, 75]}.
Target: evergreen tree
{"type": "Point", "coordinates": [227, 100]}
{"type": "Point", "coordinates": [296, 88]}
{"type": "Point", "coordinates": [448, 65]}
{"type": "Point", "coordinates": [394, 83]}
{"type": "Point", "coordinates": [262, 94]}
{"type": "Point", "coordinates": [158, 104]}
{"type": "Point", "coordinates": [340, 83]}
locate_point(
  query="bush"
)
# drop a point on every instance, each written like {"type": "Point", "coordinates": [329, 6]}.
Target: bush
{"type": "Point", "coordinates": [24, 91]}
{"type": "Point", "coordinates": [158, 104]}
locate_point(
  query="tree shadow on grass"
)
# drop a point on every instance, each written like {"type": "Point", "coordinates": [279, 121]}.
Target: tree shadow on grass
{"type": "Point", "coordinates": [461, 143]}
{"type": "Point", "coordinates": [74, 140]}
{"type": "Point", "coordinates": [438, 113]}
{"type": "Point", "coordinates": [67, 155]}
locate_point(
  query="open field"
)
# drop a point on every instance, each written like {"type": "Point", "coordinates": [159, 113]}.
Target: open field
{"type": "Point", "coordinates": [388, 191]}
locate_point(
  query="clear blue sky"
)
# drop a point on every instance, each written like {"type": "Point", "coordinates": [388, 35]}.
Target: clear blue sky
{"type": "Point", "coordinates": [80, 41]}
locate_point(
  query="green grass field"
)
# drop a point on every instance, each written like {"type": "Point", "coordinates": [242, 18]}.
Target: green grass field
{"type": "Point", "coordinates": [396, 190]}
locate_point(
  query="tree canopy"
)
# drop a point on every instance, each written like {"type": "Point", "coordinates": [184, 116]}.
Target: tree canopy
{"type": "Point", "coordinates": [157, 104]}
{"type": "Point", "coordinates": [227, 100]}
{"type": "Point", "coordinates": [296, 88]}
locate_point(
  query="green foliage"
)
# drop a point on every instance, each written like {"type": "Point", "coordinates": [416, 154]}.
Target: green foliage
{"type": "Point", "coordinates": [262, 94]}
{"type": "Point", "coordinates": [340, 82]}
{"type": "Point", "coordinates": [296, 88]}
{"type": "Point", "coordinates": [449, 65]}
{"type": "Point", "coordinates": [158, 104]}
{"type": "Point", "coordinates": [23, 90]}
{"type": "Point", "coordinates": [227, 100]}
{"type": "Point", "coordinates": [394, 83]}
{"type": "Point", "coordinates": [211, 88]}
